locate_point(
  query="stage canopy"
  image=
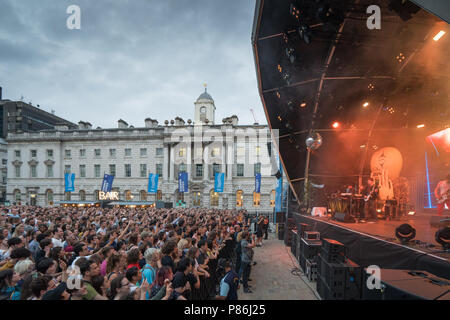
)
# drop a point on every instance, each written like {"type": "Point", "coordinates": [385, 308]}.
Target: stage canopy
{"type": "Point", "coordinates": [321, 69]}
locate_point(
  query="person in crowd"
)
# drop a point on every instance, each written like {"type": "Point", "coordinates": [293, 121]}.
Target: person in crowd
{"type": "Point", "coordinates": [247, 245]}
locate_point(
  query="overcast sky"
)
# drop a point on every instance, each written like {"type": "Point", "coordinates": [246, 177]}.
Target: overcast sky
{"type": "Point", "coordinates": [132, 59]}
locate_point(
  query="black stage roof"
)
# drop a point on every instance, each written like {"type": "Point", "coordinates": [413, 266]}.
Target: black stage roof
{"type": "Point", "coordinates": [339, 64]}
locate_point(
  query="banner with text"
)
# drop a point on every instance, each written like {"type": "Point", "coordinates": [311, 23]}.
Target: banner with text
{"type": "Point", "coordinates": [183, 182]}
{"type": "Point", "coordinates": [153, 183]}
{"type": "Point", "coordinates": [69, 182]}
{"type": "Point", "coordinates": [107, 182]}
{"type": "Point", "coordinates": [219, 180]}
{"type": "Point", "coordinates": [258, 182]}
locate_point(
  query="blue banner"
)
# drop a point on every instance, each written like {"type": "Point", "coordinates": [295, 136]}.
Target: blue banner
{"type": "Point", "coordinates": [258, 182]}
{"type": "Point", "coordinates": [153, 183]}
{"type": "Point", "coordinates": [182, 182]}
{"type": "Point", "coordinates": [107, 182]}
{"type": "Point", "coordinates": [279, 190]}
{"type": "Point", "coordinates": [69, 182]}
{"type": "Point", "coordinates": [219, 180]}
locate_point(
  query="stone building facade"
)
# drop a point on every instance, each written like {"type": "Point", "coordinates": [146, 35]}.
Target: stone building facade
{"type": "Point", "coordinates": [37, 161]}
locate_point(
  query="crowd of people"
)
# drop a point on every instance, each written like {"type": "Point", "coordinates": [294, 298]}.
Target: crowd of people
{"type": "Point", "coordinates": [62, 253]}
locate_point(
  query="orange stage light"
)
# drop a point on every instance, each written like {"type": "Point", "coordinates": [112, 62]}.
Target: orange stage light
{"type": "Point", "coordinates": [439, 35]}
{"type": "Point", "coordinates": [335, 125]}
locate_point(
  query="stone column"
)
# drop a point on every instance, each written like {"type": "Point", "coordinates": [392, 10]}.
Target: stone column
{"type": "Point", "coordinates": [171, 163]}
{"type": "Point", "coordinates": [166, 163]}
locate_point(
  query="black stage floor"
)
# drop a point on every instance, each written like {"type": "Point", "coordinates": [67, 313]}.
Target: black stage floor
{"type": "Point", "coordinates": [375, 243]}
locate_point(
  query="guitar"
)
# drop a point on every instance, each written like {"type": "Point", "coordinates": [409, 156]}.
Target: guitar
{"type": "Point", "coordinates": [444, 197]}
{"type": "Point", "coordinates": [367, 198]}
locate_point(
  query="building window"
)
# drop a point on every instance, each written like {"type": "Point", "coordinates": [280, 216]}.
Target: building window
{"type": "Point", "coordinates": [269, 149]}
{"type": "Point", "coordinates": [143, 195]}
{"type": "Point", "coordinates": [258, 150]}
{"type": "Point", "coordinates": [199, 170]}
{"type": "Point", "coordinates": [256, 199]}
{"type": "Point", "coordinates": [17, 153]}
{"type": "Point", "coordinates": [50, 171]}
{"type": "Point", "coordinates": [240, 151]}
{"type": "Point", "coordinates": [159, 195]}
{"type": "Point", "coordinates": [4, 161]}
{"type": "Point", "coordinates": [96, 194]}
{"type": "Point", "coordinates": [196, 198]}
{"type": "Point", "coordinates": [82, 153]}
{"type": "Point", "coordinates": [67, 153]}
{"type": "Point", "coordinates": [97, 152]}
{"type": "Point", "coordinates": [17, 195]}
{"type": "Point", "coordinates": [215, 152]}
{"type": "Point", "coordinates": [49, 197]}
{"type": "Point", "coordinates": [257, 167]}
{"type": "Point", "coordinates": [159, 169]}
{"type": "Point", "coordinates": [97, 170]}
{"type": "Point", "coordinates": [213, 198]}
{"type": "Point", "coordinates": [33, 153]}
{"type": "Point", "coordinates": [182, 167]}
{"type": "Point", "coordinates": [67, 196]}
{"type": "Point", "coordinates": [82, 195]}
{"type": "Point", "coordinates": [112, 169]}
{"type": "Point", "coordinates": [179, 196]}
{"type": "Point", "coordinates": [128, 195]}
{"type": "Point", "coordinates": [49, 153]}
{"type": "Point", "coordinates": [112, 153]}
{"type": "Point", "coordinates": [182, 152]}
{"type": "Point", "coordinates": [143, 152]}
{"type": "Point", "coordinates": [67, 168]}
{"type": "Point", "coordinates": [239, 198]}
{"type": "Point", "coordinates": [216, 169]}
{"type": "Point", "coordinates": [159, 152]}
{"type": "Point", "coordinates": [33, 171]}
{"type": "Point", "coordinates": [83, 171]}
{"type": "Point", "coordinates": [240, 170]}
{"type": "Point", "coordinates": [17, 171]}
{"type": "Point", "coordinates": [127, 152]}
{"type": "Point", "coordinates": [272, 198]}
{"type": "Point", "coordinates": [128, 170]}
{"type": "Point", "coordinates": [143, 170]}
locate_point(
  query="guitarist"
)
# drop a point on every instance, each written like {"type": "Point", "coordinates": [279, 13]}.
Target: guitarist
{"type": "Point", "coordinates": [370, 193]}
{"type": "Point", "coordinates": [442, 193]}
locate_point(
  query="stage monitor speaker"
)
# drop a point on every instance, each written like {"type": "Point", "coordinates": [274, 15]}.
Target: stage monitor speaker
{"type": "Point", "coordinates": [281, 217]}
{"type": "Point", "coordinates": [344, 217]}
{"type": "Point", "coordinates": [440, 221]}
{"type": "Point", "coordinates": [407, 285]}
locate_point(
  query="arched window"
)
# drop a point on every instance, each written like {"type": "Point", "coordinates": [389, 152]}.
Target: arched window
{"type": "Point", "coordinates": [159, 195]}
{"type": "Point", "coordinates": [239, 198]}
{"type": "Point", "coordinates": [49, 197]}
{"type": "Point", "coordinates": [196, 198]}
{"type": "Point", "coordinates": [179, 196]}
{"type": "Point", "coordinates": [17, 195]}
{"type": "Point", "coordinates": [128, 195]}
{"type": "Point", "coordinates": [256, 199]}
{"type": "Point", "coordinates": [67, 196]}
{"type": "Point", "coordinates": [272, 198]}
{"type": "Point", "coordinates": [82, 195]}
{"type": "Point", "coordinates": [143, 195]}
{"type": "Point", "coordinates": [213, 198]}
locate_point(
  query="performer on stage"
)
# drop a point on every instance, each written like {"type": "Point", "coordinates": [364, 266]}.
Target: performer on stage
{"type": "Point", "coordinates": [442, 193]}
{"type": "Point", "coordinates": [370, 193]}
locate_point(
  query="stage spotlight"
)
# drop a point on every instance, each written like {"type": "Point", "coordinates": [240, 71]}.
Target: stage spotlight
{"type": "Point", "coordinates": [439, 35]}
{"type": "Point", "coordinates": [365, 105]}
{"type": "Point", "coordinates": [335, 125]}
{"type": "Point", "coordinates": [443, 237]}
{"type": "Point", "coordinates": [405, 233]}
{"type": "Point", "coordinates": [290, 53]}
{"type": "Point", "coordinates": [420, 126]}
{"type": "Point", "coordinates": [303, 104]}
{"type": "Point", "coordinates": [411, 213]}
{"type": "Point", "coordinates": [305, 33]}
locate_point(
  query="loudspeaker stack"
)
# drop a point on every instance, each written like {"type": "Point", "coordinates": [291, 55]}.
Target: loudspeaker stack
{"type": "Point", "coordinates": [338, 278]}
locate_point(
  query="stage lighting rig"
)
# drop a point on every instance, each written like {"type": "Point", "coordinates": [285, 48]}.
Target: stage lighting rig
{"type": "Point", "coordinates": [305, 33]}
{"type": "Point", "coordinates": [405, 233]}
{"type": "Point", "coordinates": [443, 237]}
